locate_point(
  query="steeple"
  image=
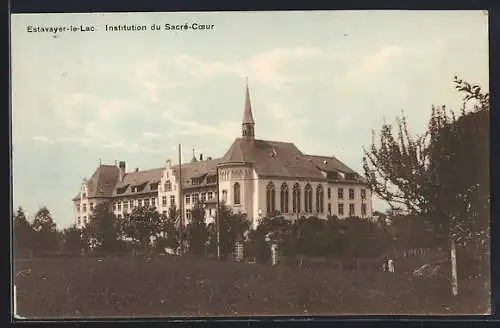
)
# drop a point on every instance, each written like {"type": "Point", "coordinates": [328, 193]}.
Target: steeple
{"type": "Point", "coordinates": [194, 157]}
{"type": "Point", "coordinates": [248, 122]}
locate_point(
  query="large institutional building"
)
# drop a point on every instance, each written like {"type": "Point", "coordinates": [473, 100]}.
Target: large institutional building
{"type": "Point", "coordinates": [255, 177]}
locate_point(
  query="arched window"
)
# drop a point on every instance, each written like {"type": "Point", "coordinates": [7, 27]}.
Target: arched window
{"type": "Point", "coordinates": [319, 199]}
{"type": "Point", "coordinates": [308, 198]}
{"type": "Point", "coordinates": [284, 198]}
{"type": "Point", "coordinates": [296, 198]}
{"type": "Point", "coordinates": [236, 194]}
{"type": "Point", "coordinates": [270, 197]}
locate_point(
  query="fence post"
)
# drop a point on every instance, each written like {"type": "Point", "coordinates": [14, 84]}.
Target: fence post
{"type": "Point", "coordinates": [274, 254]}
{"type": "Point", "coordinates": [238, 251]}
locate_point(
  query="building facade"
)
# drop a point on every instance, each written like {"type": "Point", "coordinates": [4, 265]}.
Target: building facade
{"type": "Point", "coordinates": [255, 177]}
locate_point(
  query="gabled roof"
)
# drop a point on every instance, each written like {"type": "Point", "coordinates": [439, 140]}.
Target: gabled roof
{"type": "Point", "coordinates": [139, 178]}
{"type": "Point", "coordinates": [201, 170]}
{"type": "Point", "coordinates": [102, 183]}
{"type": "Point", "coordinates": [329, 164]}
{"type": "Point", "coordinates": [272, 158]}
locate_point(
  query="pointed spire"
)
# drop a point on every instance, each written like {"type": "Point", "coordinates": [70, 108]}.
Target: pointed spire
{"type": "Point", "coordinates": [247, 116]}
{"type": "Point", "coordinates": [248, 122]}
{"type": "Point", "coordinates": [194, 157]}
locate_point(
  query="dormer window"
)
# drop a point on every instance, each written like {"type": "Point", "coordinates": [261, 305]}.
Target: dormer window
{"type": "Point", "coordinates": [350, 176]}
{"type": "Point", "coordinates": [154, 186]}
{"type": "Point", "coordinates": [332, 175]}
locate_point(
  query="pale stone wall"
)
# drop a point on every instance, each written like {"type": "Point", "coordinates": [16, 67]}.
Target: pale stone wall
{"type": "Point", "coordinates": [262, 199]}
{"type": "Point", "coordinates": [357, 201]}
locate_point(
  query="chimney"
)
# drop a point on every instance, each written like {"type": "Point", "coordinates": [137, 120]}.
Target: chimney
{"type": "Point", "coordinates": [136, 169]}
{"type": "Point", "coordinates": [201, 157]}
{"type": "Point", "coordinates": [123, 169]}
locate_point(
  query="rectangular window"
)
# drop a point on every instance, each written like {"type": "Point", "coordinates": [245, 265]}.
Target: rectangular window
{"type": "Point", "coordinates": [168, 186]}
{"type": "Point", "coordinates": [119, 206]}
{"type": "Point", "coordinates": [329, 208]}
{"type": "Point", "coordinates": [78, 221]}
{"type": "Point", "coordinates": [203, 197]}
{"type": "Point", "coordinates": [351, 194]}
{"type": "Point", "coordinates": [91, 206]}
{"type": "Point", "coordinates": [84, 195]}
{"type": "Point", "coordinates": [164, 201]}
{"type": "Point", "coordinates": [153, 202]}
{"type": "Point", "coordinates": [131, 203]}
{"type": "Point", "coordinates": [85, 207]}
{"type": "Point", "coordinates": [196, 198]}
{"type": "Point", "coordinates": [125, 205]}
{"type": "Point", "coordinates": [209, 211]}
{"type": "Point", "coordinates": [78, 208]}
{"type": "Point", "coordinates": [224, 196]}
{"type": "Point", "coordinates": [351, 210]}
{"type": "Point", "coordinates": [172, 200]}
{"type": "Point", "coordinates": [188, 214]}
{"type": "Point", "coordinates": [363, 209]}
{"type": "Point", "coordinates": [188, 199]}
{"type": "Point", "coordinates": [340, 193]}
{"type": "Point", "coordinates": [210, 195]}
{"type": "Point", "coordinates": [363, 193]}
{"type": "Point", "coordinates": [341, 209]}
{"type": "Point", "coordinates": [146, 202]}
{"type": "Point", "coordinates": [329, 191]}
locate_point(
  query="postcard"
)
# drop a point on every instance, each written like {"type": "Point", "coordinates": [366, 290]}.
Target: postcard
{"type": "Point", "coordinates": [247, 164]}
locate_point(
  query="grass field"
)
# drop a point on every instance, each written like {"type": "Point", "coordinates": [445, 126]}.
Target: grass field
{"type": "Point", "coordinates": [169, 286]}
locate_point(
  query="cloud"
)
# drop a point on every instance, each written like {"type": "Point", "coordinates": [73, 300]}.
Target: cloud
{"type": "Point", "coordinates": [222, 129]}
{"type": "Point", "coordinates": [112, 108]}
{"type": "Point", "coordinates": [93, 118]}
{"type": "Point", "coordinates": [368, 66]}
{"type": "Point", "coordinates": [152, 135]}
{"type": "Point", "coordinates": [43, 139]}
{"type": "Point", "coordinates": [267, 68]}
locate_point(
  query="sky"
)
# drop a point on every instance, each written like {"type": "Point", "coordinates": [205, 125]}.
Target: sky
{"type": "Point", "coordinates": [322, 80]}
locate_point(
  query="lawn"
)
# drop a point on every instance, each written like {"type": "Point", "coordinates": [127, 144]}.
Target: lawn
{"type": "Point", "coordinates": [167, 286]}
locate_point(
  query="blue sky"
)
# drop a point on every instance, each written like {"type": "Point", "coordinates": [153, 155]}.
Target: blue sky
{"type": "Point", "coordinates": [323, 80]}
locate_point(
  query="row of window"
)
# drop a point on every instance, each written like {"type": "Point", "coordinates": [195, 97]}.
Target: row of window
{"type": "Point", "coordinates": [204, 196]}
{"type": "Point", "coordinates": [130, 204]}
{"type": "Point", "coordinates": [308, 199]}
{"type": "Point", "coordinates": [340, 193]}
{"type": "Point", "coordinates": [352, 209]}
{"type": "Point", "coordinates": [210, 211]}
{"type": "Point", "coordinates": [79, 220]}
{"type": "Point", "coordinates": [84, 207]}
{"type": "Point", "coordinates": [164, 201]}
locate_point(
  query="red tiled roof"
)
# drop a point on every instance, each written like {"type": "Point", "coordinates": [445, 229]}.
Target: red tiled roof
{"type": "Point", "coordinates": [102, 183]}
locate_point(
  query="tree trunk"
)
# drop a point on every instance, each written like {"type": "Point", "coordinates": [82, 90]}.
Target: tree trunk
{"type": "Point", "coordinates": [453, 257]}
